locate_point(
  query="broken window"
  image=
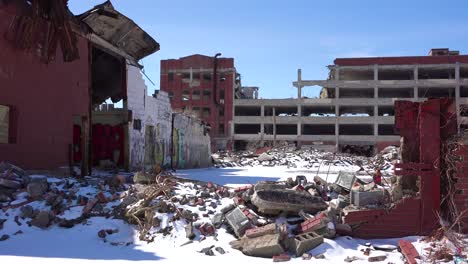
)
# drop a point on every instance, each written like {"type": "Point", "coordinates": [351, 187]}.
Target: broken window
{"type": "Point", "coordinates": [206, 95]}
{"type": "Point", "coordinates": [221, 112]}
{"type": "Point", "coordinates": [221, 130]}
{"type": "Point", "coordinates": [185, 95]}
{"type": "Point", "coordinates": [170, 76]}
{"type": "Point", "coordinates": [207, 76]}
{"type": "Point", "coordinates": [196, 76]}
{"type": "Point", "coordinates": [222, 77]}
{"type": "Point", "coordinates": [196, 111]}
{"type": "Point", "coordinates": [206, 112]}
{"type": "Point", "coordinates": [387, 130]}
{"type": "Point", "coordinates": [387, 110]}
{"type": "Point", "coordinates": [171, 95]}
{"type": "Point", "coordinates": [221, 94]}
{"type": "Point", "coordinates": [4, 124]}
{"type": "Point", "coordinates": [186, 76]}
{"type": "Point", "coordinates": [196, 95]}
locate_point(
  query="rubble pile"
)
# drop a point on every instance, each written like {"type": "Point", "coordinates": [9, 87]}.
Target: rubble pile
{"type": "Point", "coordinates": [291, 157]}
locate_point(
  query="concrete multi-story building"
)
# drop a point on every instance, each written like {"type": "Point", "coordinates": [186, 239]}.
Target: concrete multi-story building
{"type": "Point", "coordinates": [203, 86]}
{"type": "Point", "coordinates": [355, 107]}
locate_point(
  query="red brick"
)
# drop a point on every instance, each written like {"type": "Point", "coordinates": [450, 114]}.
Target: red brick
{"type": "Point", "coordinates": [260, 231]}
{"type": "Point", "coordinates": [313, 224]}
{"type": "Point", "coordinates": [102, 197]}
{"type": "Point", "coordinates": [243, 188]}
{"type": "Point", "coordinates": [408, 250]}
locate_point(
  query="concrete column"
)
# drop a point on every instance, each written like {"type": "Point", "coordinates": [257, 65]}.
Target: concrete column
{"type": "Point", "coordinates": [191, 76]}
{"type": "Point", "coordinates": [457, 93]}
{"type": "Point", "coordinates": [415, 88]}
{"type": "Point", "coordinates": [337, 73]}
{"type": "Point", "coordinates": [299, 84]}
{"type": "Point", "coordinates": [337, 117]}
{"type": "Point", "coordinates": [262, 110]}
{"type": "Point", "coordinates": [274, 126]}
{"type": "Point", "coordinates": [376, 72]}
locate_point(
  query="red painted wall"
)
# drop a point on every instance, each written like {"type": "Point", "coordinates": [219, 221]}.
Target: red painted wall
{"type": "Point", "coordinates": [45, 98]}
{"type": "Point", "coordinates": [177, 86]}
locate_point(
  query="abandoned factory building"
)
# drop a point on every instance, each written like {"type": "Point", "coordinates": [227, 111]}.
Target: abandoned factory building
{"type": "Point", "coordinates": [356, 104]}
{"type": "Point", "coordinates": [58, 74]}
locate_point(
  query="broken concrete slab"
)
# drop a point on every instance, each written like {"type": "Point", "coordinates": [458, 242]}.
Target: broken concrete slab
{"type": "Point", "coordinates": [263, 230]}
{"type": "Point", "coordinates": [238, 221]}
{"type": "Point", "coordinates": [10, 183]}
{"type": "Point", "coordinates": [265, 246]}
{"type": "Point", "coordinates": [288, 201]}
{"type": "Point", "coordinates": [189, 231]}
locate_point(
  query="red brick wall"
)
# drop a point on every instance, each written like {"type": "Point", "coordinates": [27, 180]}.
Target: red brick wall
{"type": "Point", "coordinates": [44, 98]}
{"type": "Point", "coordinates": [461, 197]}
{"type": "Point", "coordinates": [176, 86]}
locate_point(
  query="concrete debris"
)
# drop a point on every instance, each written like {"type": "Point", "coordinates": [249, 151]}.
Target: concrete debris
{"type": "Point", "coordinates": [4, 237]}
{"type": "Point", "coordinates": [37, 188]}
{"type": "Point", "coordinates": [305, 242]}
{"type": "Point", "coordinates": [27, 211]}
{"type": "Point", "coordinates": [351, 259]}
{"type": "Point", "coordinates": [238, 221]}
{"type": "Point", "coordinates": [41, 220]}
{"type": "Point", "coordinates": [220, 250]}
{"type": "Point", "coordinates": [377, 258]}
{"type": "Point", "coordinates": [189, 231]}
{"type": "Point", "coordinates": [265, 246]}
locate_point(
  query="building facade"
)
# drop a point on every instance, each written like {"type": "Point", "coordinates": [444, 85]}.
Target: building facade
{"type": "Point", "coordinates": [356, 105]}
{"type": "Point", "coordinates": [203, 86]}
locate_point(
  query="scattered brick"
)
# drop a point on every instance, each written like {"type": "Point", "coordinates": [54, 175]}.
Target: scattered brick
{"type": "Point", "coordinates": [281, 258]}
{"type": "Point", "coordinates": [408, 250]}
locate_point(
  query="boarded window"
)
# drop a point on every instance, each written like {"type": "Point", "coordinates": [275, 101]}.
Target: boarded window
{"type": "Point", "coordinates": [4, 123]}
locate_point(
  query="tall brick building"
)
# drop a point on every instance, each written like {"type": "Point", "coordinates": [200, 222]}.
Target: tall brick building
{"type": "Point", "coordinates": [204, 86]}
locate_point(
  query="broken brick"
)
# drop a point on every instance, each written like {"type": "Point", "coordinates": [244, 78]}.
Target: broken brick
{"type": "Point", "coordinates": [408, 250]}
{"type": "Point", "coordinates": [102, 197]}
{"type": "Point", "coordinates": [207, 229]}
{"type": "Point", "coordinates": [243, 188]}
{"type": "Point", "coordinates": [313, 223]}
{"type": "Point", "coordinates": [260, 231]}
{"type": "Point", "coordinates": [89, 206]}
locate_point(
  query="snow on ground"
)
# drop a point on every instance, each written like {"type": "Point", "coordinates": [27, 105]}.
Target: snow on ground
{"type": "Point", "coordinates": [81, 244]}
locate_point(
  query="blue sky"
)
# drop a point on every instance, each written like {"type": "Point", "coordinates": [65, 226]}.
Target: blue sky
{"type": "Point", "coordinates": [271, 39]}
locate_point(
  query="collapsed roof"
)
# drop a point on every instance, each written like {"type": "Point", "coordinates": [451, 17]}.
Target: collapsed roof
{"type": "Point", "coordinates": [120, 31]}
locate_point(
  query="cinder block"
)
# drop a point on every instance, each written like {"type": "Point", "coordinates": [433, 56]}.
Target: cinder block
{"type": "Point", "coordinates": [366, 198]}
{"type": "Point", "coordinates": [238, 221]}
{"type": "Point", "coordinates": [304, 242]}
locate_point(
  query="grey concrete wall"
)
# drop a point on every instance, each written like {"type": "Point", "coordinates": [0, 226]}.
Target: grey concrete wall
{"type": "Point", "coordinates": [191, 143]}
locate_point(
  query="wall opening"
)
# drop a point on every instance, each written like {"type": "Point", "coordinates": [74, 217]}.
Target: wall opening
{"type": "Point", "coordinates": [359, 150]}
{"type": "Point", "coordinates": [387, 130]}
{"type": "Point", "coordinates": [318, 111]}
{"type": "Point", "coordinates": [185, 95]}
{"type": "Point", "coordinates": [268, 129]}
{"type": "Point", "coordinates": [4, 124]}
{"type": "Point", "coordinates": [206, 95]}
{"type": "Point", "coordinates": [281, 110]}
{"type": "Point", "coordinates": [206, 112]}
{"type": "Point", "coordinates": [286, 129]}
{"type": "Point", "coordinates": [356, 93]}
{"type": "Point", "coordinates": [357, 74]}
{"type": "Point", "coordinates": [318, 129]}
{"type": "Point", "coordinates": [346, 110]}
{"type": "Point", "coordinates": [221, 129]}
{"type": "Point", "coordinates": [396, 92]}
{"type": "Point", "coordinates": [386, 110]}
{"type": "Point", "coordinates": [356, 129]}
{"type": "Point", "coordinates": [433, 92]}
{"type": "Point", "coordinates": [247, 110]}
{"type": "Point", "coordinates": [436, 73]}
{"type": "Point", "coordinates": [396, 74]}
{"type": "Point", "coordinates": [247, 129]}
{"type": "Point", "coordinates": [195, 95]}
